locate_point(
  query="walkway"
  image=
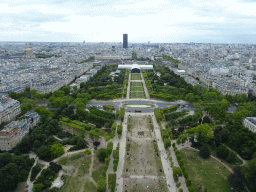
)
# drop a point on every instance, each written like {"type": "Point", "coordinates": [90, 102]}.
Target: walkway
{"type": "Point", "coordinates": [164, 156]}
{"type": "Point", "coordinates": [120, 166]}
{"type": "Point", "coordinates": [145, 87]}
{"type": "Point", "coordinates": [129, 86]}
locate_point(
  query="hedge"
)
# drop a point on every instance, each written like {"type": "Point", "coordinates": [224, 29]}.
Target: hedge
{"type": "Point", "coordinates": [108, 107]}
{"type": "Point", "coordinates": [112, 181]}
{"type": "Point", "coordinates": [121, 113]}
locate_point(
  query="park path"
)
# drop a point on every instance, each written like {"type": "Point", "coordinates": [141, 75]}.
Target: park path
{"type": "Point", "coordinates": [120, 166]}
{"type": "Point", "coordinates": [164, 156]}
{"type": "Point", "coordinates": [91, 167]}
{"type": "Point", "coordinates": [145, 87]}
{"type": "Point", "coordinates": [129, 86]}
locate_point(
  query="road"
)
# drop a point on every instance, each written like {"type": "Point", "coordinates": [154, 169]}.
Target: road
{"type": "Point", "coordinates": [117, 103]}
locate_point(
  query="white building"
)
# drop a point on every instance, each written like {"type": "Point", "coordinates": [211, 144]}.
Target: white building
{"type": "Point", "coordinates": [250, 123]}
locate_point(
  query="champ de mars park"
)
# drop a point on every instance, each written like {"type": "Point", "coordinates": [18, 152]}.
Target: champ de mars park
{"type": "Point", "coordinates": [139, 128]}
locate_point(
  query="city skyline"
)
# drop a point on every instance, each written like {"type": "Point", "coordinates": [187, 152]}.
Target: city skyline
{"type": "Point", "coordinates": [164, 21]}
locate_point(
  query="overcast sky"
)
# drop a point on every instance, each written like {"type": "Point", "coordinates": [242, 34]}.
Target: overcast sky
{"type": "Point", "coordinates": [157, 21]}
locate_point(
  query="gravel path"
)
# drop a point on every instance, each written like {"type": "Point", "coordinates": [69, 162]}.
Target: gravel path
{"type": "Point", "coordinates": [145, 87]}
{"type": "Point", "coordinates": [120, 167]}
{"type": "Point", "coordinates": [164, 158]}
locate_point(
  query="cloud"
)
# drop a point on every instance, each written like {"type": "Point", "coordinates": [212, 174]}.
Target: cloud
{"type": "Point", "coordinates": [107, 20]}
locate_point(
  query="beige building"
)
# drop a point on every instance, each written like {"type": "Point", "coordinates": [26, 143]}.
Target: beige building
{"type": "Point", "coordinates": [9, 137]}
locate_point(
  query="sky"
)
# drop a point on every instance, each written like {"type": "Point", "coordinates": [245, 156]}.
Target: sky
{"type": "Point", "coordinates": [157, 21]}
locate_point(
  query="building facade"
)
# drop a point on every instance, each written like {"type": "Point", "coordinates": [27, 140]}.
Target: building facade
{"type": "Point", "coordinates": [125, 41]}
{"type": "Point", "coordinates": [13, 133]}
{"type": "Point", "coordinates": [9, 108]}
{"type": "Point", "coordinates": [250, 123]}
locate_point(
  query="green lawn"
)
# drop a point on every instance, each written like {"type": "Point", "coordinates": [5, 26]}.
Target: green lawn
{"type": "Point", "coordinates": [89, 186]}
{"type": "Point", "coordinates": [137, 88]}
{"type": "Point", "coordinates": [137, 95]}
{"type": "Point", "coordinates": [135, 76]}
{"type": "Point", "coordinates": [136, 84]}
{"type": "Point", "coordinates": [205, 174]}
{"type": "Point", "coordinates": [97, 169]}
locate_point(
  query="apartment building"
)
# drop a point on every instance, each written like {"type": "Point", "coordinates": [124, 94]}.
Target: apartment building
{"type": "Point", "coordinates": [13, 133]}
{"type": "Point", "coordinates": [250, 123]}
{"type": "Point", "coordinates": [9, 108]}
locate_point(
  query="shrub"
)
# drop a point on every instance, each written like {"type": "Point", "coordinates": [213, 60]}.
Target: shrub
{"type": "Point", "coordinates": [115, 167]}
{"type": "Point", "coordinates": [180, 190]}
{"type": "Point", "coordinates": [191, 189]}
{"type": "Point", "coordinates": [188, 182]}
{"type": "Point", "coordinates": [101, 185]}
{"type": "Point", "coordinates": [88, 151]}
{"type": "Point", "coordinates": [112, 181]}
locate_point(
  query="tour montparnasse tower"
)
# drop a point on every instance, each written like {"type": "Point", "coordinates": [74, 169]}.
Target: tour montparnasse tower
{"type": "Point", "coordinates": [29, 53]}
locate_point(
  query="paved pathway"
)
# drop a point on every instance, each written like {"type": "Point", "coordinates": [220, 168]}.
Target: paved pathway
{"type": "Point", "coordinates": [145, 87]}
{"type": "Point", "coordinates": [164, 158]}
{"type": "Point", "coordinates": [120, 166]}
{"type": "Point", "coordinates": [129, 86]}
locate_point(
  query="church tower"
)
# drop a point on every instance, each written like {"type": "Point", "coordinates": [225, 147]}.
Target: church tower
{"type": "Point", "coordinates": [29, 53]}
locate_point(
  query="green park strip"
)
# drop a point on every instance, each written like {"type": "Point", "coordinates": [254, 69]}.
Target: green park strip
{"type": "Point", "coordinates": [140, 88]}
{"type": "Point", "coordinates": [135, 77]}
{"type": "Point", "coordinates": [136, 84]}
{"type": "Point", "coordinates": [137, 95]}
{"type": "Point", "coordinates": [205, 173]}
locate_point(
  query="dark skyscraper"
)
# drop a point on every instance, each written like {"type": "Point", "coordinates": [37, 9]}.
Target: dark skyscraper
{"type": "Point", "coordinates": [125, 41]}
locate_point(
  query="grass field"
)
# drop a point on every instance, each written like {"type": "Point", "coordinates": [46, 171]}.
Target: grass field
{"type": "Point", "coordinates": [205, 174]}
{"type": "Point", "coordinates": [136, 84]}
{"type": "Point", "coordinates": [77, 167]}
{"type": "Point", "coordinates": [97, 169]}
{"type": "Point", "coordinates": [135, 76]}
{"type": "Point", "coordinates": [137, 88]}
{"type": "Point", "coordinates": [137, 95]}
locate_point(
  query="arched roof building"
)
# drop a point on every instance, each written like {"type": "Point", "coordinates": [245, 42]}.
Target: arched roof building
{"type": "Point", "coordinates": [135, 68]}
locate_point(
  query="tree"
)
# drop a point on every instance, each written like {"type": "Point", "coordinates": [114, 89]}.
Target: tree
{"type": "Point", "coordinates": [204, 133]}
{"type": "Point", "coordinates": [87, 151]}
{"type": "Point", "coordinates": [57, 150]}
{"type": "Point", "coordinates": [81, 143]}
{"type": "Point", "coordinates": [250, 171]}
{"type": "Point", "coordinates": [66, 89]}
{"type": "Point", "coordinates": [23, 175]}
{"type": "Point", "coordinates": [231, 158]}
{"type": "Point", "coordinates": [206, 119]}
{"type": "Point", "coordinates": [204, 152]}
{"type": "Point", "coordinates": [58, 93]}
{"type": "Point", "coordinates": [167, 143]}
{"type": "Point", "coordinates": [43, 152]}
{"type": "Point", "coordinates": [102, 154]}
{"type": "Point", "coordinates": [9, 177]}
{"type": "Point", "coordinates": [222, 151]}
{"type": "Point", "coordinates": [101, 185]}
{"type": "Point", "coordinates": [37, 144]}
{"type": "Point", "coordinates": [236, 179]}
{"type": "Point", "coordinates": [38, 187]}
{"type": "Point", "coordinates": [224, 104]}
{"type": "Point", "coordinates": [82, 85]}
